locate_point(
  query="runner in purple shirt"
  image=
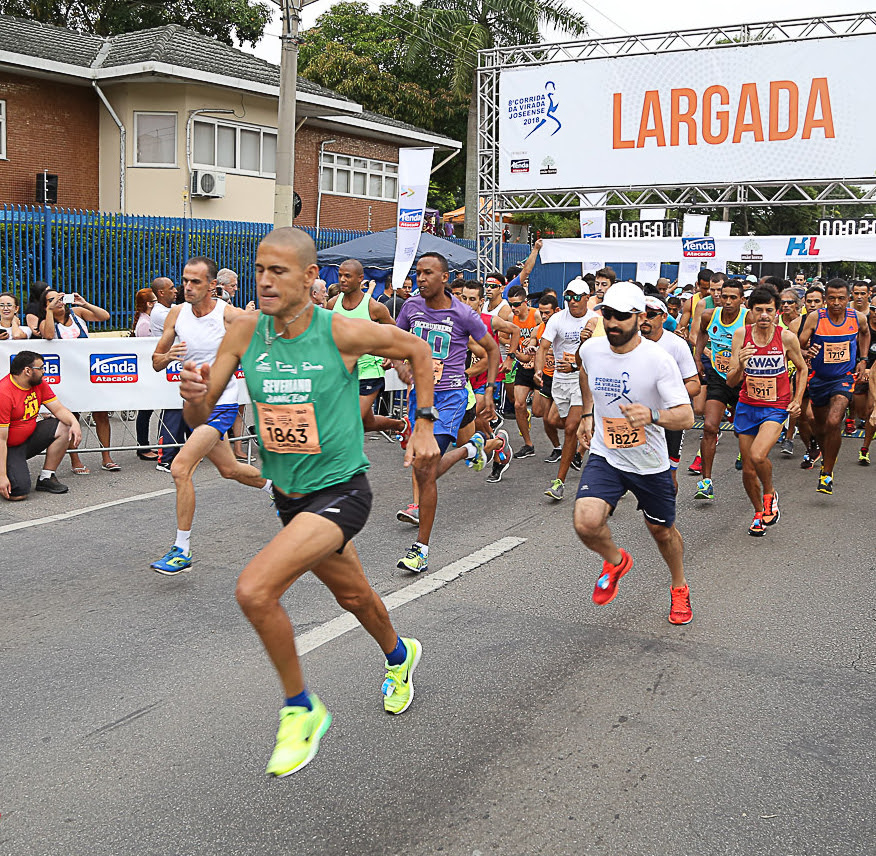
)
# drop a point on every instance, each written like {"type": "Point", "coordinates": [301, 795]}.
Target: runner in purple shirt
{"type": "Point", "coordinates": [446, 324]}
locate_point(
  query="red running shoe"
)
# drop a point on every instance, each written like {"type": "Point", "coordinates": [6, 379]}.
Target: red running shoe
{"type": "Point", "coordinates": [697, 466]}
{"type": "Point", "coordinates": [757, 527]}
{"type": "Point", "coordinates": [406, 434]}
{"type": "Point", "coordinates": [680, 611]}
{"type": "Point", "coordinates": [850, 427]}
{"type": "Point", "coordinates": [771, 513]}
{"type": "Point", "coordinates": [605, 590]}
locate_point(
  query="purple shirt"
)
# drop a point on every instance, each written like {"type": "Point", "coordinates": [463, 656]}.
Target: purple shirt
{"type": "Point", "coordinates": [447, 332]}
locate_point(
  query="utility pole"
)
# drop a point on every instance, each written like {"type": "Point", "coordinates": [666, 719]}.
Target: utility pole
{"type": "Point", "coordinates": [284, 208]}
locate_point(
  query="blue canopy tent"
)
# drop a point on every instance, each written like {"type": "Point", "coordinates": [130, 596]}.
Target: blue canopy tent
{"type": "Point", "coordinates": [376, 252]}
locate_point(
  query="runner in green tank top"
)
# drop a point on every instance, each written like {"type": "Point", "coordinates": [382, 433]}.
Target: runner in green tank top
{"type": "Point", "coordinates": [300, 365]}
{"type": "Point", "coordinates": [354, 303]}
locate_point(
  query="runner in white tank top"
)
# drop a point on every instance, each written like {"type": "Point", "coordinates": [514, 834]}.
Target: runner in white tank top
{"type": "Point", "coordinates": [199, 324]}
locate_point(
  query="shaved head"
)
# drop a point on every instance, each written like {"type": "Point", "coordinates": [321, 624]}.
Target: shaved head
{"type": "Point", "coordinates": [295, 239]}
{"type": "Point", "coordinates": [354, 266]}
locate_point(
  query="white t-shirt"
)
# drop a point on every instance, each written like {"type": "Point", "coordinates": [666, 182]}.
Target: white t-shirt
{"type": "Point", "coordinates": [156, 319]}
{"type": "Point", "coordinates": [646, 375]}
{"type": "Point", "coordinates": [678, 349]}
{"type": "Point", "coordinates": [563, 331]}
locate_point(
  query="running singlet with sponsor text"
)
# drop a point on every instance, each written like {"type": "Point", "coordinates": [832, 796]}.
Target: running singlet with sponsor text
{"type": "Point", "coordinates": [721, 338]}
{"type": "Point", "coordinates": [306, 406]}
{"type": "Point", "coordinates": [446, 331]}
{"type": "Point", "coordinates": [766, 382]}
{"type": "Point", "coordinates": [563, 331]}
{"type": "Point", "coordinates": [839, 345]}
{"type": "Point", "coordinates": [527, 326]}
{"type": "Point", "coordinates": [646, 375]}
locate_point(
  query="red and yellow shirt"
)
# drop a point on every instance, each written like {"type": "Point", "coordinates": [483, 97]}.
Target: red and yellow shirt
{"type": "Point", "coordinates": [19, 407]}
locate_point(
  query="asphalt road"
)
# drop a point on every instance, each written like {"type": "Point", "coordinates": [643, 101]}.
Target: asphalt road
{"type": "Point", "coordinates": [138, 712]}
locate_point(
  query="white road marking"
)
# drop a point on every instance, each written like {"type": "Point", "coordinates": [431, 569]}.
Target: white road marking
{"type": "Point", "coordinates": [319, 636]}
{"type": "Point", "coordinates": [64, 515]}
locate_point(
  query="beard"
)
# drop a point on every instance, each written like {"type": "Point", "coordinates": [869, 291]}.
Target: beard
{"type": "Point", "coordinates": [619, 338]}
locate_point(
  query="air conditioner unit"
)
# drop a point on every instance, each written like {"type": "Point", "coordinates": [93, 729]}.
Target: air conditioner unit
{"type": "Point", "coordinates": [208, 183]}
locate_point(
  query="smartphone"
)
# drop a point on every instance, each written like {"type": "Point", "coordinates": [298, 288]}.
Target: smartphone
{"type": "Point", "coordinates": [68, 298]}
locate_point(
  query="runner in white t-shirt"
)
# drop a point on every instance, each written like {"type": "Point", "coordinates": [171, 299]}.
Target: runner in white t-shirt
{"type": "Point", "coordinates": [652, 328]}
{"type": "Point", "coordinates": [631, 390]}
{"type": "Point", "coordinates": [563, 334]}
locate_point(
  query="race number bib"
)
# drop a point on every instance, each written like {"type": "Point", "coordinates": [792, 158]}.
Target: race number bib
{"type": "Point", "coordinates": [837, 352]}
{"type": "Point", "coordinates": [549, 362]}
{"type": "Point", "coordinates": [761, 388]}
{"type": "Point", "coordinates": [437, 369]}
{"type": "Point", "coordinates": [288, 428]}
{"type": "Point", "coordinates": [569, 357]}
{"type": "Point", "coordinates": [619, 434]}
{"type": "Point", "coordinates": [721, 361]}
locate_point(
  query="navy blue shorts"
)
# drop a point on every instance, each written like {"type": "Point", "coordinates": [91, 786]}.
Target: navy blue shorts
{"type": "Point", "coordinates": [222, 418]}
{"type": "Point", "coordinates": [748, 418]}
{"type": "Point", "coordinates": [452, 405]}
{"type": "Point", "coordinates": [821, 390]}
{"type": "Point", "coordinates": [655, 492]}
{"type": "Point", "coordinates": [371, 385]}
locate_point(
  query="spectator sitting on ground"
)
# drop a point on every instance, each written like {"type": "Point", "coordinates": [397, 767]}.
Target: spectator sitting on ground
{"type": "Point", "coordinates": [69, 323]}
{"type": "Point", "coordinates": [35, 311]}
{"type": "Point", "coordinates": [22, 392]}
{"type": "Point", "coordinates": [10, 326]}
{"type": "Point", "coordinates": [144, 300]}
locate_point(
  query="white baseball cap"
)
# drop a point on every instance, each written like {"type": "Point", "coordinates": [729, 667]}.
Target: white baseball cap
{"type": "Point", "coordinates": [577, 286]}
{"type": "Point", "coordinates": [652, 301]}
{"type": "Point", "coordinates": [624, 297]}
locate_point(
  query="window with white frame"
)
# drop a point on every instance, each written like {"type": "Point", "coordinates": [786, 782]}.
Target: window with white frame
{"type": "Point", "coordinates": [247, 149]}
{"type": "Point", "coordinates": [351, 176]}
{"type": "Point", "coordinates": [3, 130]}
{"type": "Point", "coordinates": [155, 139]}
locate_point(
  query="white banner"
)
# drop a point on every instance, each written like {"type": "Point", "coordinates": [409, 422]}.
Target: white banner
{"type": "Point", "coordinates": [106, 374]}
{"type": "Point", "coordinates": [648, 271]}
{"type": "Point", "coordinates": [652, 214]}
{"type": "Point", "coordinates": [720, 228]}
{"type": "Point", "coordinates": [687, 272]}
{"type": "Point", "coordinates": [414, 168]}
{"type": "Point", "coordinates": [592, 222]}
{"type": "Point", "coordinates": [740, 248]}
{"type": "Point", "coordinates": [694, 224]}
{"type": "Point", "coordinates": [731, 113]}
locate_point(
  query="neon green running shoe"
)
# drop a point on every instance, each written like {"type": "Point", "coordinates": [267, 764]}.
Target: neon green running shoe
{"type": "Point", "coordinates": [398, 688]}
{"type": "Point", "coordinates": [298, 738]}
{"type": "Point", "coordinates": [478, 462]}
{"type": "Point", "coordinates": [414, 561]}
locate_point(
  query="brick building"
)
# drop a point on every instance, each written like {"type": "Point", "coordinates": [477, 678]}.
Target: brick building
{"type": "Point", "coordinates": [169, 122]}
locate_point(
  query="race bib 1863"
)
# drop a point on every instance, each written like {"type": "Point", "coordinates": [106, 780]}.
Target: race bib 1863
{"type": "Point", "coordinates": [288, 428]}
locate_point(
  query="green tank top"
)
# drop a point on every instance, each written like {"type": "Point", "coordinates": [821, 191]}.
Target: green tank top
{"type": "Point", "coordinates": [306, 407]}
{"type": "Point", "coordinates": [369, 366]}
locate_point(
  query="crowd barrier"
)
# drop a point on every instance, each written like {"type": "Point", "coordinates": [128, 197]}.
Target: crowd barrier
{"type": "Point", "coordinates": [115, 374]}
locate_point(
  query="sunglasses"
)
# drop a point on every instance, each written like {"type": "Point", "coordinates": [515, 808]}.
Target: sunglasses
{"type": "Point", "coordinates": [610, 314]}
{"type": "Point", "coordinates": [649, 313]}
{"type": "Point", "coordinates": [574, 298]}
{"type": "Point", "coordinates": [789, 303]}
{"type": "Point", "coordinates": [516, 303]}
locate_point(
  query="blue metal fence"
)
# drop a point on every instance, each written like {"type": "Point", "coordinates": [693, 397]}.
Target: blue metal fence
{"type": "Point", "coordinates": [108, 257]}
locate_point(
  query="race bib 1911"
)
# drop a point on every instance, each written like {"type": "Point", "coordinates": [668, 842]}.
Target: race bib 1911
{"type": "Point", "coordinates": [761, 388]}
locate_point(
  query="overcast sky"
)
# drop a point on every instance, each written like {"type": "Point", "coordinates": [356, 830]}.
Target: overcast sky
{"type": "Point", "coordinates": [634, 16]}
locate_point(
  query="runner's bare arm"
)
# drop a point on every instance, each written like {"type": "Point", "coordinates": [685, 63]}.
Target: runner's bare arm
{"type": "Point", "coordinates": [692, 385]}
{"type": "Point", "coordinates": [700, 340]}
{"type": "Point", "coordinates": [863, 346]}
{"type": "Point", "coordinates": [676, 418]}
{"type": "Point", "coordinates": [201, 386]}
{"type": "Point", "coordinates": [379, 312]}
{"type": "Point", "coordinates": [738, 358]}
{"type": "Point", "coordinates": [529, 264]}
{"type": "Point", "coordinates": [807, 329]}
{"type": "Point", "coordinates": [165, 351]}
{"type": "Point", "coordinates": [232, 312]}
{"type": "Point", "coordinates": [585, 427]}
{"type": "Point", "coordinates": [795, 354]}
{"type": "Point", "coordinates": [541, 359]}
{"type": "Point", "coordinates": [684, 320]}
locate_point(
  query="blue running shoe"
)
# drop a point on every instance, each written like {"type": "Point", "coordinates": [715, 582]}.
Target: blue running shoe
{"type": "Point", "coordinates": [478, 462]}
{"type": "Point", "coordinates": [173, 562]}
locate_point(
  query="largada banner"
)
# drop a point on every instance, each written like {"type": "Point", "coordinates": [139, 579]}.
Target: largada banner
{"type": "Point", "coordinates": [731, 113]}
{"type": "Point", "coordinates": [106, 374]}
{"type": "Point", "coordinates": [414, 168]}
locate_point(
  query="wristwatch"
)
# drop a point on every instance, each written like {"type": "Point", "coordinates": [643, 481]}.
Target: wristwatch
{"type": "Point", "coordinates": [655, 416]}
{"type": "Point", "coordinates": [430, 413]}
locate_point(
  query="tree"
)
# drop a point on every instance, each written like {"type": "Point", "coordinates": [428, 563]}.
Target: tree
{"type": "Point", "coordinates": [363, 56]}
{"type": "Point", "coordinates": [219, 19]}
{"type": "Point", "coordinates": [460, 28]}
